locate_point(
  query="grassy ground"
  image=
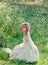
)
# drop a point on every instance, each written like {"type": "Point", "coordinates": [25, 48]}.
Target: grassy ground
{"type": "Point", "coordinates": [10, 20]}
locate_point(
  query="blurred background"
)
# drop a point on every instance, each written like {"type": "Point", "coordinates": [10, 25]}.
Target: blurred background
{"type": "Point", "coordinates": [12, 14]}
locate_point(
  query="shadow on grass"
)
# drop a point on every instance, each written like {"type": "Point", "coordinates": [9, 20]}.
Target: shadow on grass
{"type": "Point", "coordinates": [22, 62]}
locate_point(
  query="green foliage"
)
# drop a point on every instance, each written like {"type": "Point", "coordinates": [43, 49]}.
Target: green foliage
{"type": "Point", "coordinates": [11, 33]}
{"type": "Point", "coordinates": [12, 17]}
{"type": "Point", "coordinates": [3, 55]}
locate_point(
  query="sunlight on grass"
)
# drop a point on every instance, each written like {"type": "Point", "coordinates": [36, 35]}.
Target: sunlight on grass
{"type": "Point", "coordinates": [2, 4]}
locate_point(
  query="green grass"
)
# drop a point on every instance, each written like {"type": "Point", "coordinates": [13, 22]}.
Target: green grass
{"type": "Point", "coordinates": [10, 30]}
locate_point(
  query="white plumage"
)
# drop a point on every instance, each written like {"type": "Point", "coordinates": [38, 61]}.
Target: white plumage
{"type": "Point", "coordinates": [26, 51]}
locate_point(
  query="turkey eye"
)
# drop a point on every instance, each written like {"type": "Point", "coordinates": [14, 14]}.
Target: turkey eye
{"type": "Point", "coordinates": [25, 24]}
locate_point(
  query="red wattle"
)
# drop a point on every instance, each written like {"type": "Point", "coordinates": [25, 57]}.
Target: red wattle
{"type": "Point", "coordinates": [24, 29]}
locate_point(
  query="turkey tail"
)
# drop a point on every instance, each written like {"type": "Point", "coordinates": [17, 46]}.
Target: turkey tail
{"type": "Point", "coordinates": [7, 50]}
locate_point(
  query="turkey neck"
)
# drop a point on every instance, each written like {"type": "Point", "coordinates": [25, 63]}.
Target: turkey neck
{"type": "Point", "coordinates": [27, 39]}
{"type": "Point", "coordinates": [26, 36]}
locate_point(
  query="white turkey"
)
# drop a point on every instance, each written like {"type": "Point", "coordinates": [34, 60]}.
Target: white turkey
{"type": "Point", "coordinates": [26, 51]}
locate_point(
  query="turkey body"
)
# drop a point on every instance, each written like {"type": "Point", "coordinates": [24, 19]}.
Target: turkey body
{"type": "Point", "coordinates": [26, 51]}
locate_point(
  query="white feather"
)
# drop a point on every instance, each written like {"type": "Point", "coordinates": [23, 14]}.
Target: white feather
{"type": "Point", "coordinates": [26, 51]}
{"type": "Point", "coordinates": [7, 50]}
